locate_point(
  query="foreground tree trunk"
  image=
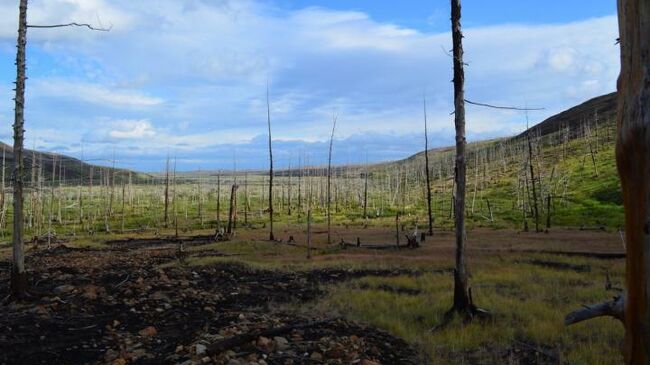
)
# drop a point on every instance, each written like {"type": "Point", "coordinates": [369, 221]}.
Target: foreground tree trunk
{"type": "Point", "coordinates": [462, 301]}
{"type": "Point", "coordinates": [633, 162]}
{"type": "Point", "coordinates": [18, 272]}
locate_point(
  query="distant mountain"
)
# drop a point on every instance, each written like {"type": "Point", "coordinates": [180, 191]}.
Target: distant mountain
{"type": "Point", "coordinates": [66, 169]}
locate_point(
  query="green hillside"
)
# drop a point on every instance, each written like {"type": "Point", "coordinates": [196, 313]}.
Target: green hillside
{"type": "Point", "coordinates": [573, 166]}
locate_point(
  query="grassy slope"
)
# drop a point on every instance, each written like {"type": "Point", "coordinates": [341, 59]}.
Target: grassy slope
{"type": "Point", "coordinates": [583, 196]}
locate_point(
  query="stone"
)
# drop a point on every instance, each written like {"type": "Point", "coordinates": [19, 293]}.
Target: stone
{"type": "Point", "coordinates": [63, 289]}
{"type": "Point", "coordinates": [281, 343]}
{"type": "Point", "coordinates": [200, 349]}
{"type": "Point", "coordinates": [148, 332]}
{"type": "Point", "coordinates": [265, 344]}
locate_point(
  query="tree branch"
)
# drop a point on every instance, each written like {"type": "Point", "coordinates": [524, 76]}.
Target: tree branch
{"type": "Point", "coordinates": [72, 25]}
{"type": "Point", "coordinates": [613, 308]}
{"type": "Point", "coordinates": [501, 107]}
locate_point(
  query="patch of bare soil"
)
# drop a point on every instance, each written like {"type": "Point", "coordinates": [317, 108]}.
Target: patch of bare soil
{"type": "Point", "coordinates": [117, 306]}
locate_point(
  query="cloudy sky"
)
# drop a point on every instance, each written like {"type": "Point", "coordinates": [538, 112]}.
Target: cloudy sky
{"type": "Point", "coordinates": [188, 78]}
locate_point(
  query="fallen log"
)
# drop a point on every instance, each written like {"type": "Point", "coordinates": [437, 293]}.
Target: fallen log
{"type": "Point", "coordinates": [613, 308]}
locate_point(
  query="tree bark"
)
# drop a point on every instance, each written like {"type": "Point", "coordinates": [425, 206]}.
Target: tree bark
{"type": "Point", "coordinates": [633, 161]}
{"type": "Point", "coordinates": [18, 272]}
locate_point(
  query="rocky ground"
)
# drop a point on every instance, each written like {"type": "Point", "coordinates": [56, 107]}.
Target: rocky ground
{"type": "Point", "coordinates": [119, 306]}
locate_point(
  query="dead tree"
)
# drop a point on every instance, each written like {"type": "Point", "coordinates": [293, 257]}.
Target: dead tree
{"type": "Point", "coordinates": [268, 113]}
{"type": "Point", "coordinates": [18, 272]}
{"type": "Point", "coordinates": [426, 169]}
{"type": "Point", "coordinates": [634, 170]}
{"type": "Point", "coordinates": [309, 233]}
{"type": "Point", "coordinates": [532, 175]}
{"type": "Point", "coordinates": [232, 213]}
{"type": "Point", "coordinates": [18, 285]}
{"type": "Point", "coordinates": [463, 304]}
{"type": "Point", "coordinates": [365, 194]}
{"type": "Point", "coordinates": [166, 218]}
{"type": "Point", "coordinates": [218, 200]}
{"type": "Point", "coordinates": [329, 183]}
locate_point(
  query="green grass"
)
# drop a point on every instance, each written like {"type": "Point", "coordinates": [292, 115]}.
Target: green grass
{"type": "Point", "coordinates": [527, 302]}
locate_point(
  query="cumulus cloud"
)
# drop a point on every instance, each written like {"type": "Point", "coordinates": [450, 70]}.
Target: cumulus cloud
{"type": "Point", "coordinates": [132, 129]}
{"type": "Point", "coordinates": [193, 74]}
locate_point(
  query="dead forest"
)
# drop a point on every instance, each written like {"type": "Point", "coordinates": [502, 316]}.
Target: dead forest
{"type": "Point", "coordinates": [484, 252]}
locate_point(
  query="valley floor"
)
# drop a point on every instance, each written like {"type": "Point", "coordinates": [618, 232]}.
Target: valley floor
{"type": "Point", "coordinates": [139, 300]}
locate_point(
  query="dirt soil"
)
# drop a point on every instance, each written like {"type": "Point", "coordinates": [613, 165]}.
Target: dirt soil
{"type": "Point", "coordinates": [117, 306]}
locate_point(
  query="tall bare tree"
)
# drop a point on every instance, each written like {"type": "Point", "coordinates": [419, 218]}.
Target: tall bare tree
{"type": "Point", "coordinates": [166, 218]}
{"type": "Point", "coordinates": [329, 182]}
{"type": "Point", "coordinates": [268, 113]}
{"type": "Point", "coordinates": [426, 169]}
{"type": "Point", "coordinates": [633, 161]}
{"type": "Point", "coordinates": [463, 303]}
{"type": "Point", "coordinates": [18, 272]}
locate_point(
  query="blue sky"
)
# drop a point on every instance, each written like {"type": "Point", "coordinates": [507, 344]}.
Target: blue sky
{"type": "Point", "coordinates": [189, 78]}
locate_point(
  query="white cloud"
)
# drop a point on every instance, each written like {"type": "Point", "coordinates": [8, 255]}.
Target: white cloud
{"type": "Point", "coordinates": [132, 129]}
{"type": "Point", "coordinates": [193, 73]}
{"type": "Point", "coordinates": [94, 93]}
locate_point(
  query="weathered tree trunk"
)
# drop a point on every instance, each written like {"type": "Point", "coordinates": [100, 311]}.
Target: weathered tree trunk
{"type": "Point", "coordinates": [532, 179]}
{"type": "Point", "coordinates": [268, 111]}
{"type": "Point", "coordinates": [633, 160]}
{"type": "Point", "coordinates": [289, 191]}
{"type": "Point", "coordinates": [233, 209]}
{"type": "Point", "coordinates": [365, 195]}
{"type": "Point", "coordinates": [166, 218]}
{"type": "Point", "coordinates": [218, 201]}
{"type": "Point", "coordinates": [426, 169]}
{"type": "Point", "coordinates": [462, 301]}
{"type": "Point", "coordinates": [309, 233]}
{"type": "Point", "coordinates": [18, 272]}
{"type": "Point", "coordinates": [329, 184]}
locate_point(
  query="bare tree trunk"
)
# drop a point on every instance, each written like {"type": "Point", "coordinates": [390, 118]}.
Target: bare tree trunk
{"type": "Point", "coordinates": [166, 218]}
{"type": "Point", "coordinates": [365, 195]}
{"type": "Point", "coordinates": [532, 176]}
{"type": "Point", "coordinates": [218, 200]}
{"type": "Point", "coordinates": [268, 111]}
{"type": "Point", "coordinates": [233, 209]}
{"type": "Point", "coordinates": [426, 169]}
{"type": "Point", "coordinates": [329, 184]}
{"type": "Point", "coordinates": [18, 272]}
{"type": "Point", "coordinates": [632, 145]}
{"type": "Point", "coordinates": [309, 233]}
{"type": "Point", "coordinates": [397, 230]}
{"type": "Point", "coordinates": [174, 201]}
{"type": "Point", "coordinates": [123, 213]}
{"type": "Point", "coordinates": [462, 301]}
{"type": "Point", "coordinates": [633, 164]}
{"type": "Point", "coordinates": [289, 191]}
